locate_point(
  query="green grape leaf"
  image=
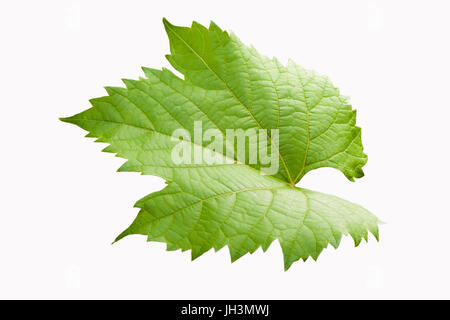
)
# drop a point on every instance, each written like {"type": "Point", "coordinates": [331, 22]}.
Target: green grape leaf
{"type": "Point", "coordinates": [232, 195]}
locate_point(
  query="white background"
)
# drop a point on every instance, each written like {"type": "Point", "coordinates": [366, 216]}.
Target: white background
{"type": "Point", "coordinates": [62, 203]}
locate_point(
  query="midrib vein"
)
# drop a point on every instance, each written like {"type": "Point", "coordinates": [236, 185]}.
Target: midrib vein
{"type": "Point", "coordinates": [308, 142]}
{"type": "Point", "coordinates": [71, 119]}
{"type": "Point", "coordinates": [237, 98]}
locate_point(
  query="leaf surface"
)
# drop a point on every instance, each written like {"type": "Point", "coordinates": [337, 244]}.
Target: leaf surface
{"type": "Point", "coordinates": [228, 85]}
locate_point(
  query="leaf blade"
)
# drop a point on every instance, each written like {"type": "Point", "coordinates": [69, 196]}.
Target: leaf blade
{"type": "Point", "coordinates": [228, 85]}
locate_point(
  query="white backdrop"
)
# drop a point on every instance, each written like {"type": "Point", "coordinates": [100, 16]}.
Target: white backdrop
{"type": "Point", "coordinates": [62, 203]}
